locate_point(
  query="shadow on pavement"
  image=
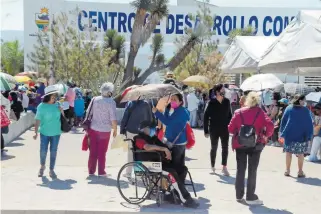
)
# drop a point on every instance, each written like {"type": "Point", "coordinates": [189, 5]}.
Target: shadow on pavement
{"type": "Point", "coordinates": [13, 144]}
{"type": "Point", "coordinates": [198, 187]}
{"type": "Point", "coordinates": [6, 157]}
{"type": "Point", "coordinates": [57, 184]}
{"type": "Point", "coordinates": [264, 210]}
{"type": "Point", "coordinates": [19, 138]}
{"type": "Point", "coordinates": [176, 208]}
{"type": "Point", "coordinates": [226, 179]}
{"type": "Point", "coordinates": [102, 181]}
{"type": "Point", "coordinates": [189, 159]}
{"type": "Point", "coordinates": [309, 181]}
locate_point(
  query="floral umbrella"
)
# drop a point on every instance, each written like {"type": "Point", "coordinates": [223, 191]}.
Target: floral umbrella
{"type": "Point", "coordinates": [197, 81]}
{"type": "Point", "coordinates": [7, 82]}
{"type": "Point", "coordinates": [150, 91]}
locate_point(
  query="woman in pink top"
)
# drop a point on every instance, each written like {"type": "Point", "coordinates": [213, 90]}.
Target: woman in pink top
{"type": "Point", "coordinates": [251, 114]}
{"type": "Point", "coordinates": [103, 114]}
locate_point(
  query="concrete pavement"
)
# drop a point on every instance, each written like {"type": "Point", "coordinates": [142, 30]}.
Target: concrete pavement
{"type": "Point", "coordinates": [23, 191]}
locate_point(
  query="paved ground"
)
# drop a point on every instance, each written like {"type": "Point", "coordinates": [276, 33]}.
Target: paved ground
{"type": "Point", "coordinates": [21, 189]}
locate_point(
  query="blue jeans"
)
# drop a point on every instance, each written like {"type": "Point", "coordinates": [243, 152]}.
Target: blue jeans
{"type": "Point", "coordinates": [44, 143]}
{"type": "Point", "coordinates": [193, 118]}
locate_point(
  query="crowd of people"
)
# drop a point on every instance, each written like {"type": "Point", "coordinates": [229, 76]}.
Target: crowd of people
{"type": "Point", "coordinates": [258, 122]}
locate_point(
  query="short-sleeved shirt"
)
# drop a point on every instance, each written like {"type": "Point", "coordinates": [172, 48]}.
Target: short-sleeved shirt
{"type": "Point", "coordinates": [49, 116]}
{"type": "Point", "coordinates": [103, 113]}
{"type": "Point", "coordinates": [79, 108]}
{"type": "Point", "coordinates": [70, 97]}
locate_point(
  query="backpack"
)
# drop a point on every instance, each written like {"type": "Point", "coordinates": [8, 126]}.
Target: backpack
{"type": "Point", "coordinates": [247, 136]}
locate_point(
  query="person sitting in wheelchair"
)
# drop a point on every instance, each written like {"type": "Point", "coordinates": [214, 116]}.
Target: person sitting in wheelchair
{"type": "Point", "coordinates": [148, 141]}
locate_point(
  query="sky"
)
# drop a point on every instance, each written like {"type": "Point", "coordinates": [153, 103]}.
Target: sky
{"type": "Point", "coordinates": [12, 10]}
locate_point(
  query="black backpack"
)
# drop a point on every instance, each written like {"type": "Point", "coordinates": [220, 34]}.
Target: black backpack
{"type": "Point", "coordinates": [247, 136]}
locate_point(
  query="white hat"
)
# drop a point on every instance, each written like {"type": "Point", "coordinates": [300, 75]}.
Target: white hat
{"type": "Point", "coordinates": [51, 89]}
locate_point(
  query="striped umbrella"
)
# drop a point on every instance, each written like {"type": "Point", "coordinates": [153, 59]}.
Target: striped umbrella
{"type": "Point", "coordinates": [7, 82]}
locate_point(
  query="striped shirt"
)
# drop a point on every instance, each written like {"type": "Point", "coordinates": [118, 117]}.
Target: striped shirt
{"type": "Point", "coordinates": [104, 112]}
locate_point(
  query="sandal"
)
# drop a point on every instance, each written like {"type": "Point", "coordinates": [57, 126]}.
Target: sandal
{"type": "Point", "coordinates": [301, 175]}
{"type": "Point", "coordinates": [287, 173]}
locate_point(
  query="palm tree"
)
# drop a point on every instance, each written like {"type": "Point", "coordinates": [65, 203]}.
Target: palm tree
{"type": "Point", "coordinates": [142, 31]}
{"type": "Point", "coordinates": [156, 47]}
{"type": "Point", "coordinates": [115, 42]}
{"type": "Point", "coordinates": [12, 57]}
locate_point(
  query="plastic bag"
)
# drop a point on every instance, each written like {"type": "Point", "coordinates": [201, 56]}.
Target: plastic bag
{"type": "Point", "coordinates": [119, 142]}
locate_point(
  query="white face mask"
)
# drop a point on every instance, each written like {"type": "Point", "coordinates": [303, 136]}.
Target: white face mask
{"type": "Point", "coordinates": [305, 104]}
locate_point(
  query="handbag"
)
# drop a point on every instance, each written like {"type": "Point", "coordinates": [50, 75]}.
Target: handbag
{"type": "Point", "coordinates": [87, 121]}
{"type": "Point", "coordinates": [65, 126]}
{"type": "Point", "coordinates": [4, 118]}
{"type": "Point", "coordinates": [190, 136]}
{"type": "Point", "coordinates": [85, 142]}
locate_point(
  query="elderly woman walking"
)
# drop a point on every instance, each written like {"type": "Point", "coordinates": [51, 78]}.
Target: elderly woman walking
{"type": "Point", "coordinates": [258, 125]}
{"type": "Point", "coordinates": [102, 111]}
{"type": "Point", "coordinates": [297, 130]}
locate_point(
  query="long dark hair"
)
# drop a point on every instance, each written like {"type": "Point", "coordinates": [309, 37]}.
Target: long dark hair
{"type": "Point", "coordinates": [180, 98]}
{"type": "Point", "coordinates": [14, 96]}
{"type": "Point", "coordinates": [47, 98]}
{"type": "Point", "coordinates": [297, 99]}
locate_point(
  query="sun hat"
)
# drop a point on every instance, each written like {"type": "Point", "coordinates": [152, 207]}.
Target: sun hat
{"type": "Point", "coordinates": [51, 89]}
{"type": "Point", "coordinates": [284, 100]}
{"type": "Point", "coordinates": [22, 88]}
{"type": "Point", "coordinates": [42, 80]}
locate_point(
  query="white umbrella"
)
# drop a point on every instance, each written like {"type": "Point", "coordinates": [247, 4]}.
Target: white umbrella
{"type": "Point", "coordinates": [314, 97]}
{"type": "Point", "coordinates": [295, 88]}
{"type": "Point", "coordinates": [260, 82]}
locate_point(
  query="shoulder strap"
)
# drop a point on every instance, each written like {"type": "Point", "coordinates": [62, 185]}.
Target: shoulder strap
{"type": "Point", "coordinates": [256, 116]}
{"type": "Point", "coordinates": [179, 135]}
{"type": "Point", "coordinates": [90, 108]}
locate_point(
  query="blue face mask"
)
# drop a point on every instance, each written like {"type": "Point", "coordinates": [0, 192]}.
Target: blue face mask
{"type": "Point", "coordinates": [152, 132]}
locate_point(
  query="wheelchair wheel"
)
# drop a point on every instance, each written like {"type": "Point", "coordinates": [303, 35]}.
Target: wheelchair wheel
{"type": "Point", "coordinates": [134, 189]}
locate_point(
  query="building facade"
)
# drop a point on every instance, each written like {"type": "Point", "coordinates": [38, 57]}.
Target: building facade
{"type": "Point", "coordinates": [102, 16]}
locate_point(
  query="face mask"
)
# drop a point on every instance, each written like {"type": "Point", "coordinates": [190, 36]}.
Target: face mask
{"type": "Point", "coordinates": [152, 132]}
{"type": "Point", "coordinates": [222, 94]}
{"type": "Point", "coordinates": [174, 104]}
{"type": "Point", "coordinates": [305, 104]}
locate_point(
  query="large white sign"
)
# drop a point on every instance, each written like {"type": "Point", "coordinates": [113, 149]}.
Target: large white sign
{"type": "Point", "coordinates": [102, 16]}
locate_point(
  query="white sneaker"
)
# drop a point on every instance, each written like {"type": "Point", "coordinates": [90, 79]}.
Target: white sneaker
{"type": "Point", "coordinates": [225, 172]}
{"type": "Point", "coordinates": [213, 169]}
{"type": "Point", "coordinates": [255, 202]}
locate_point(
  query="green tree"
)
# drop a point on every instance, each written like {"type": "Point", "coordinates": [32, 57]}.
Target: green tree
{"type": "Point", "coordinates": [247, 31]}
{"type": "Point", "coordinates": [141, 33]}
{"type": "Point", "coordinates": [70, 54]}
{"type": "Point", "coordinates": [203, 58]}
{"type": "Point", "coordinates": [12, 57]}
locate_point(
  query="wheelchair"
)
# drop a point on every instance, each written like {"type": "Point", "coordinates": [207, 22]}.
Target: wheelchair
{"type": "Point", "coordinates": [146, 178]}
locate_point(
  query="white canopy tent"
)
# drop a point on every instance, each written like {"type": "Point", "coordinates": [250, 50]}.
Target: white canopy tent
{"type": "Point", "coordinates": [244, 54]}
{"type": "Point", "coordinates": [299, 46]}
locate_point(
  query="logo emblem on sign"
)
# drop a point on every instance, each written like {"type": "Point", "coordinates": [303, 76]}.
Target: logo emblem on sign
{"type": "Point", "coordinates": [42, 19]}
